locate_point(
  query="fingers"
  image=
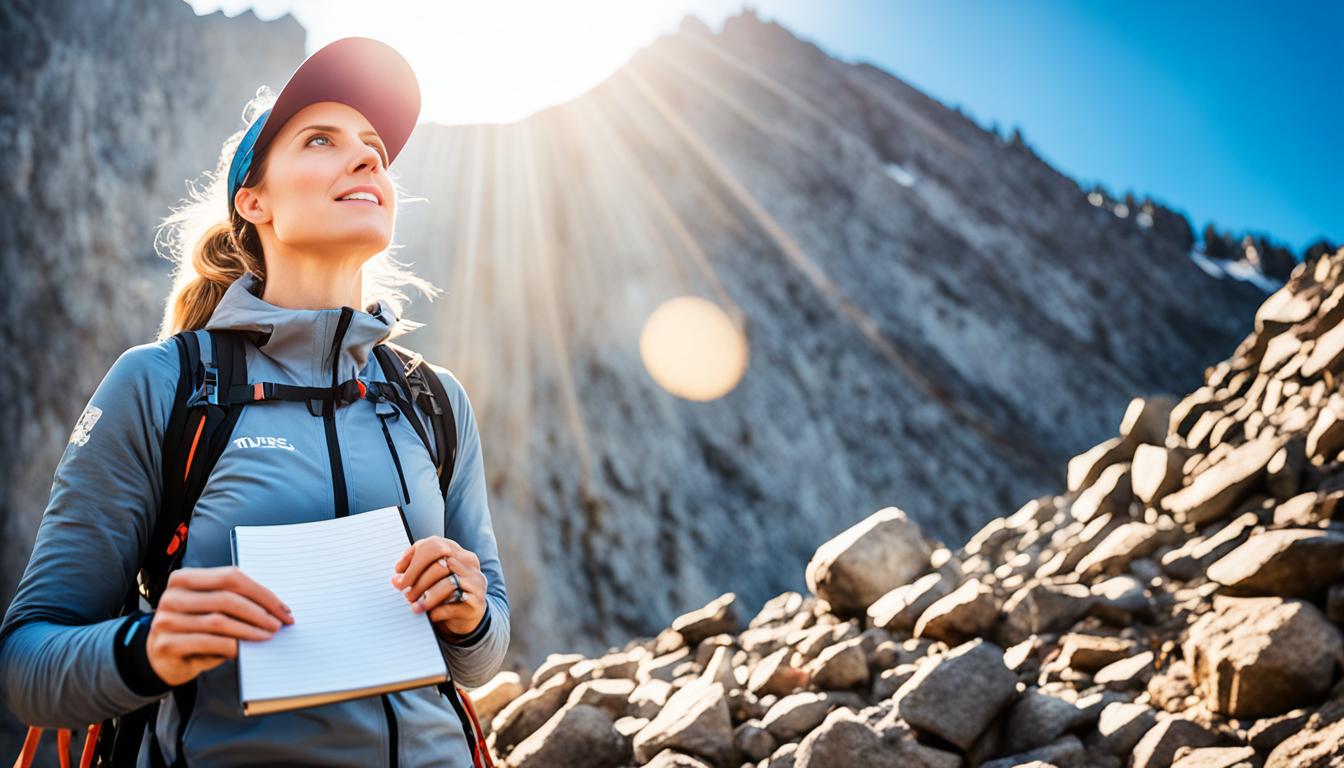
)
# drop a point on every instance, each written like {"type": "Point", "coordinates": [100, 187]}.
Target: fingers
{"type": "Point", "coordinates": [215, 623]}
{"type": "Point", "coordinates": [184, 645]}
{"type": "Point", "coordinates": [220, 601]}
{"type": "Point", "coordinates": [230, 578]}
{"type": "Point", "coordinates": [441, 593]}
{"type": "Point", "coordinates": [434, 574]}
{"type": "Point", "coordinates": [420, 555]}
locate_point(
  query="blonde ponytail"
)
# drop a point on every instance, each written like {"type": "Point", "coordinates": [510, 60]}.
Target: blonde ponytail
{"type": "Point", "coordinates": [210, 248]}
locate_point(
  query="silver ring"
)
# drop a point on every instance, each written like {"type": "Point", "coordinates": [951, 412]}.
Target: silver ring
{"type": "Point", "coordinates": [457, 585]}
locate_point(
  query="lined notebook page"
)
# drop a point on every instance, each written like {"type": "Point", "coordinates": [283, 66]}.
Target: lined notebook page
{"type": "Point", "coordinates": [352, 628]}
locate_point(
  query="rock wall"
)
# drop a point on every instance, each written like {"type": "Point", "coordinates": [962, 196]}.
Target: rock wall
{"type": "Point", "coordinates": [1179, 602]}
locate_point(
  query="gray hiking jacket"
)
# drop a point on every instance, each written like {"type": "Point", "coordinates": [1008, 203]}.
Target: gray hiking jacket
{"type": "Point", "coordinates": [57, 663]}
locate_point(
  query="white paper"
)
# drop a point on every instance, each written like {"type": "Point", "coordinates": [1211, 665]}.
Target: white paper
{"type": "Point", "coordinates": [352, 627]}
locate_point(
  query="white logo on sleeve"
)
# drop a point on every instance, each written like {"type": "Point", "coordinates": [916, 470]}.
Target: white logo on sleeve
{"type": "Point", "coordinates": [263, 442]}
{"type": "Point", "coordinates": [84, 426]}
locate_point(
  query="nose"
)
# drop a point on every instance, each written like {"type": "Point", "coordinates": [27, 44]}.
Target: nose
{"type": "Point", "coordinates": [367, 158]}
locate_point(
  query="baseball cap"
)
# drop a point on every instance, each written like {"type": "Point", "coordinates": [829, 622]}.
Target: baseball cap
{"type": "Point", "coordinates": [361, 72]}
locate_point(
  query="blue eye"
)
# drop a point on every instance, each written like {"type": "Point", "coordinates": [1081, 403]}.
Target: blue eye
{"type": "Point", "coordinates": [381, 156]}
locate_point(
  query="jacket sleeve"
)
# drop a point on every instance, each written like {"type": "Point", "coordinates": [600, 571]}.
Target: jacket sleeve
{"type": "Point", "coordinates": [58, 663]}
{"type": "Point", "coordinates": [478, 656]}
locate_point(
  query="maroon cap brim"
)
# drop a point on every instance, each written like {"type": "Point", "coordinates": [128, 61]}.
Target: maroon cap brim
{"type": "Point", "coordinates": [361, 72]}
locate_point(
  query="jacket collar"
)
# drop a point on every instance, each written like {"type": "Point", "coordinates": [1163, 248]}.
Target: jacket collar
{"type": "Point", "coordinates": [300, 341]}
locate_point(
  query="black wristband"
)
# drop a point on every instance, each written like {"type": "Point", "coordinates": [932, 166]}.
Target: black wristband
{"type": "Point", "coordinates": [132, 656]}
{"type": "Point", "coordinates": [474, 636]}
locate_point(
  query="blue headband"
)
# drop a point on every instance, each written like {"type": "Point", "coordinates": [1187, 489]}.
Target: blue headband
{"type": "Point", "coordinates": [242, 157]}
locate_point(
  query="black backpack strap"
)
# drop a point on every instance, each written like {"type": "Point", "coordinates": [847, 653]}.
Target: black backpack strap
{"type": "Point", "coordinates": [445, 422]}
{"type": "Point", "coordinates": [426, 390]}
{"type": "Point", "coordinates": [198, 431]}
{"type": "Point", "coordinates": [423, 387]}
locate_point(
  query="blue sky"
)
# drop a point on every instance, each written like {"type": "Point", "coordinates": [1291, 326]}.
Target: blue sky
{"type": "Point", "coordinates": [1231, 112]}
{"type": "Point", "coordinates": [1225, 111]}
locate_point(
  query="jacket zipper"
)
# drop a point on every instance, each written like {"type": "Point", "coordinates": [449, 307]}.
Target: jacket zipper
{"type": "Point", "coordinates": [342, 498]}
{"type": "Point", "coordinates": [329, 419]}
{"type": "Point", "coordinates": [391, 716]}
{"type": "Point", "coordinates": [405, 492]}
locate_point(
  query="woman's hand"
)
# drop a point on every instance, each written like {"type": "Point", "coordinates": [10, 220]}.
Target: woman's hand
{"type": "Point", "coordinates": [201, 616]}
{"type": "Point", "coordinates": [424, 580]}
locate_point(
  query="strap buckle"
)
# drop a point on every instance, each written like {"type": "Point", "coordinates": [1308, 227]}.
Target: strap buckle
{"type": "Point", "coordinates": [211, 385]}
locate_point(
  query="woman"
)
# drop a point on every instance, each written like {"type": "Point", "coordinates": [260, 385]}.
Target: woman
{"type": "Point", "coordinates": [310, 212]}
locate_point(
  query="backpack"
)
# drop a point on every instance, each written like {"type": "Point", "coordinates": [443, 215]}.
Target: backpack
{"type": "Point", "coordinates": [211, 392]}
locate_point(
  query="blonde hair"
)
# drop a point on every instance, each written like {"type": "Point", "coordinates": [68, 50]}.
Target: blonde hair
{"type": "Point", "coordinates": [211, 248]}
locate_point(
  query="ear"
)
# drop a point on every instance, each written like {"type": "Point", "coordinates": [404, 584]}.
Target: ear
{"type": "Point", "coordinates": [250, 206]}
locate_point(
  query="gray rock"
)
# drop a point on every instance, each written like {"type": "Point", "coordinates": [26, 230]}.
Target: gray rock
{"type": "Point", "coordinates": [1065, 752]}
{"type": "Point", "coordinates": [1109, 495]}
{"type": "Point", "coordinates": [529, 711]}
{"type": "Point", "coordinates": [868, 560]}
{"type": "Point", "coordinates": [794, 715]}
{"type": "Point", "coordinates": [966, 612]}
{"type": "Point", "coordinates": [1130, 541]}
{"type": "Point", "coordinates": [753, 741]}
{"type": "Point", "coordinates": [1218, 489]}
{"type": "Point", "coordinates": [578, 736]}
{"type": "Point", "coordinates": [1119, 599]}
{"type": "Point", "coordinates": [774, 675]}
{"type": "Point", "coordinates": [1156, 471]}
{"type": "Point", "coordinates": [843, 741]}
{"type": "Point", "coordinates": [957, 696]}
{"type": "Point", "coordinates": [1158, 746]}
{"type": "Point", "coordinates": [1258, 657]}
{"type": "Point", "coordinates": [1290, 562]}
{"type": "Point", "coordinates": [900, 609]}
{"type": "Point", "coordinates": [610, 696]}
{"type": "Point", "coordinates": [1216, 757]}
{"type": "Point", "coordinates": [841, 666]}
{"type": "Point", "coordinates": [717, 617]}
{"type": "Point", "coordinates": [1319, 744]}
{"type": "Point", "coordinates": [1042, 608]}
{"type": "Point", "coordinates": [1037, 719]}
{"type": "Point", "coordinates": [1085, 468]}
{"type": "Point", "coordinates": [695, 721]}
{"type": "Point", "coordinates": [1131, 674]}
{"type": "Point", "coordinates": [1120, 727]}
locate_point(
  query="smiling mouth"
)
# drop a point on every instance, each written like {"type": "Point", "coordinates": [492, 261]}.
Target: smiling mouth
{"type": "Point", "coordinates": [365, 202]}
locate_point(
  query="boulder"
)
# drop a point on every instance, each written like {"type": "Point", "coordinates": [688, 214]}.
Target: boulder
{"type": "Point", "coordinates": [1290, 562]}
{"type": "Point", "coordinates": [957, 696]}
{"type": "Point", "coordinates": [719, 616]}
{"type": "Point", "coordinates": [966, 612]}
{"type": "Point", "coordinates": [695, 721]}
{"type": "Point", "coordinates": [1262, 656]}
{"type": "Point", "coordinates": [1158, 746]}
{"type": "Point", "coordinates": [851, 571]}
{"type": "Point", "coordinates": [578, 736]}
{"type": "Point", "coordinates": [1219, 488]}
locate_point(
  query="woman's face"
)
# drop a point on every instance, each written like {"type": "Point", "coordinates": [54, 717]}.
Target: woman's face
{"type": "Point", "coordinates": [323, 153]}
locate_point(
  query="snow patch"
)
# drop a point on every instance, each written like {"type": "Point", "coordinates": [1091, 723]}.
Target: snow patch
{"type": "Point", "coordinates": [1237, 270]}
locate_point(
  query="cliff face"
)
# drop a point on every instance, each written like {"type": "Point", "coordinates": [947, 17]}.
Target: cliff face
{"type": "Point", "coordinates": [936, 318]}
{"type": "Point", "coordinates": [108, 107]}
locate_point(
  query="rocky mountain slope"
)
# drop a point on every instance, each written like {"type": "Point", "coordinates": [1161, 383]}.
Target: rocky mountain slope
{"type": "Point", "coordinates": [1178, 602]}
{"type": "Point", "coordinates": [936, 318]}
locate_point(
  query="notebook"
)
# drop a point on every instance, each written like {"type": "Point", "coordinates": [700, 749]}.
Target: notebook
{"type": "Point", "coordinates": [354, 634]}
